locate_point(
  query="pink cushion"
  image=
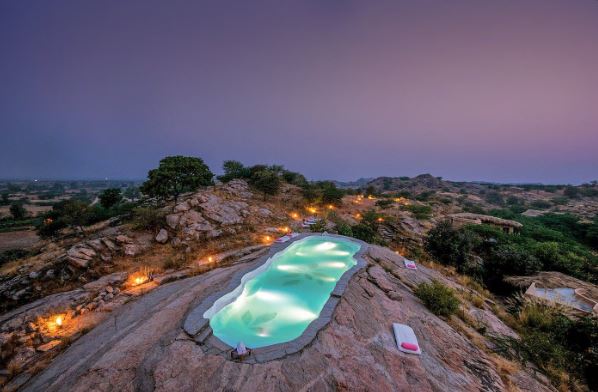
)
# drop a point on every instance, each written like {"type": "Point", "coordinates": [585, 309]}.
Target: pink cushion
{"type": "Point", "coordinates": [409, 346]}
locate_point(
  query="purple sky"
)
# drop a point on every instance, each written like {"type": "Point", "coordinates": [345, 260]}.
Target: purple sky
{"type": "Point", "coordinates": [468, 90]}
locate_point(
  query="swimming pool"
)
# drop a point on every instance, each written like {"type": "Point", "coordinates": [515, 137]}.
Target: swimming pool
{"type": "Point", "coordinates": [565, 296]}
{"type": "Point", "coordinates": [277, 301]}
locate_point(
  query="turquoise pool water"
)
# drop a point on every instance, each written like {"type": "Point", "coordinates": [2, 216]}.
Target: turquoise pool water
{"type": "Point", "coordinates": [277, 301]}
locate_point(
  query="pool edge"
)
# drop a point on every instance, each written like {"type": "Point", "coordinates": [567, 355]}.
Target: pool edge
{"type": "Point", "coordinates": [198, 327]}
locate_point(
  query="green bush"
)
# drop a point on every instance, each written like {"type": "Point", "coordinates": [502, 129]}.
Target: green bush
{"type": "Point", "coordinates": [265, 181]}
{"type": "Point", "coordinates": [110, 197]}
{"type": "Point", "coordinates": [148, 218]}
{"type": "Point", "coordinates": [384, 203]}
{"type": "Point", "coordinates": [344, 229]}
{"type": "Point", "coordinates": [555, 343]}
{"type": "Point", "coordinates": [540, 205]}
{"type": "Point", "coordinates": [364, 232]}
{"type": "Point", "coordinates": [17, 211]}
{"type": "Point", "coordinates": [421, 212]}
{"type": "Point", "coordinates": [437, 297]}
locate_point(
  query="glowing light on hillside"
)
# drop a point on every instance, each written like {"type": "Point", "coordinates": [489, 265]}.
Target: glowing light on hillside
{"type": "Point", "coordinates": [358, 216]}
{"type": "Point", "coordinates": [139, 280]}
{"type": "Point", "coordinates": [330, 207]}
{"type": "Point", "coordinates": [267, 239]}
{"type": "Point", "coordinates": [312, 210]}
{"type": "Point", "coordinates": [59, 320]}
{"type": "Point", "coordinates": [370, 197]}
{"type": "Point", "coordinates": [294, 215]}
{"type": "Point", "coordinates": [284, 229]}
{"type": "Point", "coordinates": [210, 259]}
{"type": "Point", "coordinates": [380, 219]}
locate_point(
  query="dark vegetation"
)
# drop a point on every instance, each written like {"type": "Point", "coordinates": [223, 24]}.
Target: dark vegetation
{"type": "Point", "coordinates": [437, 297]}
{"type": "Point", "coordinates": [176, 175]}
{"type": "Point", "coordinates": [555, 343]}
{"type": "Point", "coordinates": [549, 243]}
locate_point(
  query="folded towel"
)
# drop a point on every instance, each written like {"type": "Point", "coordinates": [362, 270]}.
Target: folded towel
{"type": "Point", "coordinates": [406, 339]}
{"type": "Point", "coordinates": [410, 264]}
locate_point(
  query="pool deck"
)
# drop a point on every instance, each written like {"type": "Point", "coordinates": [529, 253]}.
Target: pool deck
{"type": "Point", "coordinates": [198, 327]}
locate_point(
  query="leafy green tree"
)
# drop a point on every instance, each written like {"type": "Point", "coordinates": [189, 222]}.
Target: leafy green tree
{"type": "Point", "coordinates": [73, 213]}
{"type": "Point", "coordinates": [110, 197]}
{"type": "Point", "coordinates": [17, 211]}
{"type": "Point", "coordinates": [132, 192]}
{"type": "Point", "coordinates": [294, 178]}
{"type": "Point", "coordinates": [232, 170]}
{"type": "Point", "coordinates": [266, 181]}
{"type": "Point", "coordinates": [370, 191]}
{"type": "Point", "coordinates": [331, 194]}
{"type": "Point", "coordinates": [309, 192]}
{"type": "Point", "coordinates": [5, 198]}
{"type": "Point", "coordinates": [494, 197]}
{"type": "Point", "coordinates": [176, 175]}
{"type": "Point", "coordinates": [571, 192]}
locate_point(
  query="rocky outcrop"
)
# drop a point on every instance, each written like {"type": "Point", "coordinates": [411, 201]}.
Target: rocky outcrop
{"type": "Point", "coordinates": [355, 351]}
{"type": "Point", "coordinates": [63, 265]}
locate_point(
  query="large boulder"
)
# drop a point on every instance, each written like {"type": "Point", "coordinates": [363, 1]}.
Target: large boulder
{"type": "Point", "coordinates": [80, 256]}
{"type": "Point", "coordinates": [222, 211]}
{"type": "Point", "coordinates": [162, 236]}
{"type": "Point", "coordinates": [182, 207]}
{"type": "Point", "coordinates": [172, 220]}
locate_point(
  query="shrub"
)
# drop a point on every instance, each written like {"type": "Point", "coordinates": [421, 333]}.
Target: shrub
{"type": "Point", "coordinates": [148, 218]}
{"type": "Point", "coordinates": [110, 197]}
{"type": "Point", "coordinates": [265, 181]}
{"type": "Point", "coordinates": [318, 227]}
{"type": "Point", "coordinates": [344, 229]}
{"type": "Point", "coordinates": [425, 196]}
{"type": "Point", "coordinates": [540, 204]}
{"type": "Point", "coordinates": [555, 343]}
{"type": "Point", "coordinates": [494, 197]}
{"type": "Point", "coordinates": [384, 203]}
{"type": "Point", "coordinates": [437, 297]}
{"type": "Point", "coordinates": [17, 211]}
{"type": "Point", "coordinates": [232, 170]}
{"type": "Point", "coordinates": [331, 194]}
{"type": "Point", "coordinates": [364, 232]}
{"type": "Point", "coordinates": [421, 212]}
{"type": "Point", "coordinates": [571, 192]}
{"type": "Point", "coordinates": [13, 254]}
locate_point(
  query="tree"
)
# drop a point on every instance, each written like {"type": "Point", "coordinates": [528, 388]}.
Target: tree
{"type": "Point", "coordinates": [266, 181]}
{"type": "Point", "coordinates": [110, 197]}
{"type": "Point", "coordinates": [176, 175]}
{"type": "Point", "coordinates": [571, 192]}
{"type": "Point", "coordinates": [5, 198]}
{"type": "Point", "coordinates": [17, 211]}
{"type": "Point", "coordinates": [331, 194]}
{"type": "Point", "coordinates": [73, 213]}
{"type": "Point", "coordinates": [370, 191]}
{"type": "Point", "coordinates": [309, 192]}
{"type": "Point", "coordinates": [232, 170]}
{"type": "Point", "coordinates": [132, 192]}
